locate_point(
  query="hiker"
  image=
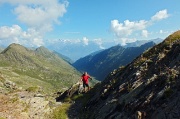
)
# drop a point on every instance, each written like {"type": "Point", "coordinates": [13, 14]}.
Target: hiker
{"type": "Point", "coordinates": [84, 79]}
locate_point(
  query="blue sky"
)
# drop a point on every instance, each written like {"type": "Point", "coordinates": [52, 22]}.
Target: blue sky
{"type": "Point", "coordinates": [34, 23]}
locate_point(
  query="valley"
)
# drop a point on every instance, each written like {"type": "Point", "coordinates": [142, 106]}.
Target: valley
{"type": "Point", "coordinates": [100, 64]}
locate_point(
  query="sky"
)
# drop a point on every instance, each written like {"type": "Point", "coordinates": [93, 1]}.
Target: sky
{"type": "Point", "coordinates": [35, 23]}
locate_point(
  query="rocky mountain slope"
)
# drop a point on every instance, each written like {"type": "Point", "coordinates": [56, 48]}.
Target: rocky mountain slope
{"type": "Point", "coordinates": [29, 80]}
{"type": "Point", "coordinates": [100, 64]}
{"type": "Point", "coordinates": [29, 68]}
{"type": "Point", "coordinates": [147, 88]}
{"type": "Point", "coordinates": [30, 103]}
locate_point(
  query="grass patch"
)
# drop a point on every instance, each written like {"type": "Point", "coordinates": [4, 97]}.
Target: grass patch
{"type": "Point", "coordinates": [28, 72]}
{"type": "Point", "coordinates": [2, 118]}
{"type": "Point", "coordinates": [173, 37]}
{"type": "Point", "coordinates": [26, 107]}
{"type": "Point", "coordinates": [13, 100]}
{"type": "Point", "coordinates": [67, 99]}
{"type": "Point", "coordinates": [61, 111]}
{"type": "Point", "coordinates": [4, 64]}
{"type": "Point", "coordinates": [32, 89]}
{"type": "Point", "coordinates": [75, 97]}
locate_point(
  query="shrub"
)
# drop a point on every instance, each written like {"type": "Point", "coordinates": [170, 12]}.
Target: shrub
{"type": "Point", "coordinates": [168, 92]}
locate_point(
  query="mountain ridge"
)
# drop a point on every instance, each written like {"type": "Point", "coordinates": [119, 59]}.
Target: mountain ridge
{"type": "Point", "coordinates": [40, 64]}
{"type": "Point", "coordinates": [100, 64]}
{"type": "Point", "coordinates": [77, 50]}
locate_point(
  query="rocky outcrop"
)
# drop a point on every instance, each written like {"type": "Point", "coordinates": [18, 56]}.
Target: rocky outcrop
{"type": "Point", "coordinates": [23, 105]}
{"type": "Point", "coordinates": [17, 103]}
{"type": "Point", "coordinates": [10, 84]}
{"type": "Point", "coordinates": [73, 90]}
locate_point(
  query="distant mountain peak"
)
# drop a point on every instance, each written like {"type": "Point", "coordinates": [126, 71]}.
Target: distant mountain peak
{"type": "Point", "coordinates": [151, 43]}
{"type": "Point", "coordinates": [16, 47]}
{"type": "Point", "coordinates": [42, 49]}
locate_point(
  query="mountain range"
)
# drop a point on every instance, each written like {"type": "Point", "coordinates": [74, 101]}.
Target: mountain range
{"type": "Point", "coordinates": [77, 50]}
{"type": "Point", "coordinates": [99, 64]}
{"type": "Point", "coordinates": [139, 43]}
{"type": "Point", "coordinates": [39, 67]}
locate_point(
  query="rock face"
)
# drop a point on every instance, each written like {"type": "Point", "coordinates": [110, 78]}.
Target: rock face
{"type": "Point", "coordinates": [147, 88]}
{"type": "Point", "coordinates": [73, 90]}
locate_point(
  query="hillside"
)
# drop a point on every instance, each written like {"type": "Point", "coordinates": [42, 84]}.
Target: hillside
{"type": "Point", "coordinates": [30, 80]}
{"type": "Point", "coordinates": [29, 68]}
{"type": "Point", "coordinates": [1, 49]}
{"type": "Point", "coordinates": [67, 59]}
{"type": "Point", "coordinates": [147, 88]}
{"type": "Point", "coordinates": [100, 64]}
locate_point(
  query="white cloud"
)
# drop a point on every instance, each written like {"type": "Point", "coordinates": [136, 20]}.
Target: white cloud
{"type": "Point", "coordinates": [145, 33]}
{"type": "Point", "coordinates": [37, 13]}
{"type": "Point", "coordinates": [123, 41]}
{"type": "Point", "coordinates": [15, 34]}
{"type": "Point", "coordinates": [160, 15]}
{"type": "Point", "coordinates": [161, 31]}
{"type": "Point", "coordinates": [85, 41]}
{"type": "Point", "coordinates": [39, 17]}
{"type": "Point", "coordinates": [9, 32]}
{"type": "Point", "coordinates": [165, 32]}
{"type": "Point", "coordinates": [38, 42]}
{"type": "Point", "coordinates": [127, 28]}
{"type": "Point", "coordinates": [99, 43]}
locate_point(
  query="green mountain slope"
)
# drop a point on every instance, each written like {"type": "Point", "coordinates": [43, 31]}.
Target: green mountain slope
{"type": "Point", "coordinates": [1, 49]}
{"type": "Point", "coordinates": [99, 65]}
{"type": "Point", "coordinates": [41, 67]}
{"type": "Point", "coordinates": [147, 88]}
{"type": "Point", "coordinates": [67, 59]}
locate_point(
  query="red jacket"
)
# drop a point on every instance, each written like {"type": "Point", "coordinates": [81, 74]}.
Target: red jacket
{"type": "Point", "coordinates": [85, 78]}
